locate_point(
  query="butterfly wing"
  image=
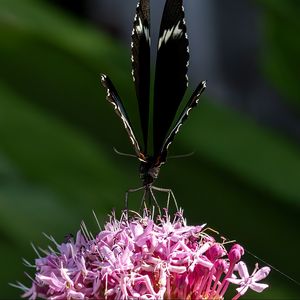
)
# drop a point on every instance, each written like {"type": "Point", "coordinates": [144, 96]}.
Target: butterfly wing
{"type": "Point", "coordinates": [182, 118]}
{"type": "Point", "coordinates": [171, 70]}
{"type": "Point", "coordinates": [113, 98]}
{"type": "Point", "coordinates": [140, 57]}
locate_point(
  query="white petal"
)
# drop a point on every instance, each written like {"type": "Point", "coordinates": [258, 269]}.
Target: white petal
{"type": "Point", "coordinates": [242, 269]}
{"type": "Point", "coordinates": [258, 287]}
{"type": "Point", "coordinates": [261, 273]}
{"type": "Point", "coordinates": [242, 290]}
{"type": "Point", "coordinates": [177, 269]}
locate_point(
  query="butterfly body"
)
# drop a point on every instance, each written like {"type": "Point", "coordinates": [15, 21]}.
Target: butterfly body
{"type": "Point", "coordinates": [148, 173]}
{"type": "Point", "coordinates": [170, 84]}
{"type": "Point", "coordinates": [149, 169]}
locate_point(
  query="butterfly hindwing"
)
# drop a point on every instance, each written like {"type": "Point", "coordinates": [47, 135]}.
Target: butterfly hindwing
{"type": "Point", "coordinates": [140, 57]}
{"type": "Point", "coordinates": [113, 98]}
{"type": "Point", "coordinates": [182, 118]}
{"type": "Point", "coordinates": [171, 70]}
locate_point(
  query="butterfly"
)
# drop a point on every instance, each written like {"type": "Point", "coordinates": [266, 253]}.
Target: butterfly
{"type": "Point", "coordinates": [170, 84]}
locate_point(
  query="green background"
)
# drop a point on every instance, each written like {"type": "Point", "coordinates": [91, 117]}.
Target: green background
{"type": "Point", "coordinates": [57, 133]}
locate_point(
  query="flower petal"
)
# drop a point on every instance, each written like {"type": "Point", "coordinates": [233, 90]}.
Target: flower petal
{"type": "Point", "coordinates": [261, 274]}
{"type": "Point", "coordinates": [242, 269]}
{"type": "Point", "coordinates": [258, 287]}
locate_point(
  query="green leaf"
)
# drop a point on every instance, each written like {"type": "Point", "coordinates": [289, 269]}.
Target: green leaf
{"type": "Point", "coordinates": [48, 151]}
{"type": "Point", "coordinates": [258, 156]}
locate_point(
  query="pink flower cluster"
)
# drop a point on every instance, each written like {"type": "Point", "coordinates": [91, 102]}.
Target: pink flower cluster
{"type": "Point", "coordinates": [138, 258]}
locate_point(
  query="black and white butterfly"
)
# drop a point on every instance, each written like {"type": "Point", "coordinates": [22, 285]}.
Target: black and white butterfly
{"type": "Point", "coordinates": [170, 84]}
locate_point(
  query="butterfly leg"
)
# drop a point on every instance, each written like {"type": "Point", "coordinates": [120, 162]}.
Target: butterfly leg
{"type": "Point", "coordinates": [132, 191]}
{"type": "Point", "coordinates": [143, 202]}
{"type": "Point", "coordinates": [170, 194]}
{"type": "Point", "coordinates": [154, 199]}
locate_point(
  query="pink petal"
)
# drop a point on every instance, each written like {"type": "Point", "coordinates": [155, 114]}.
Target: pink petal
{"type": "Point", "coordinates": [75, 295]}
{"type": "Point", "coordinates": [137, 229]}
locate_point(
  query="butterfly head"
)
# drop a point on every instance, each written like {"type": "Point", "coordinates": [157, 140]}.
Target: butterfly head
{"type": "Point", "coordinates": [149, 170]}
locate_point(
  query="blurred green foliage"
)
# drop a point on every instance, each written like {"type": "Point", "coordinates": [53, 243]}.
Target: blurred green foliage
{"type": "Point", "coordinates": [57, 133]}
{"type": "Point", "coordinates": [281, 59]}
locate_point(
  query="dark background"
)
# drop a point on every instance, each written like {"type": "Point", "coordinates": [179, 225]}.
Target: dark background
{"type": "Point", "coordinates": [57, 130]}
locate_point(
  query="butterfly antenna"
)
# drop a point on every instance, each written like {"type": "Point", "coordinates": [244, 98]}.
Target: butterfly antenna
{"type": "Point", "coordinates": [274, 268]}
{"type": "Point", "coordinates": [182, 155]}
{"type": "Point", "coordinates": [123, 154]}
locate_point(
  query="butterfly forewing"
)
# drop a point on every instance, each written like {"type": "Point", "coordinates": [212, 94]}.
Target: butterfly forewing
{"type": "Point", "coordinates": [182, 118]}
{"type": "Point", "coordinates": [140, 57]}
{"type": "Point", "coordinates": [113, 98]}
{"type": "Point", "coordinates": [171, 70]}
